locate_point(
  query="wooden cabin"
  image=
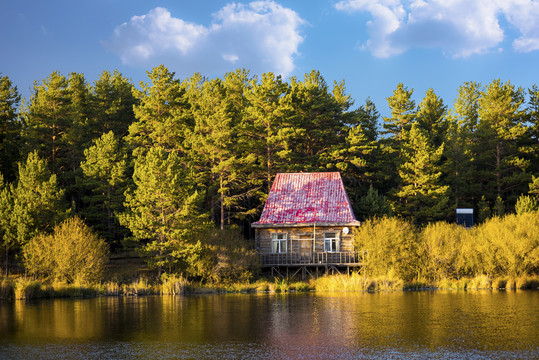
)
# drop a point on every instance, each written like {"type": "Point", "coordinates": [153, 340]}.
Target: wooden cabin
{"type": "Point", "coordinates": [307, 224]}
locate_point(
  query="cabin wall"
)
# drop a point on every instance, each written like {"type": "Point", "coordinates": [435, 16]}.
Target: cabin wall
{"type": "Point", "coordinates": [300, 239]}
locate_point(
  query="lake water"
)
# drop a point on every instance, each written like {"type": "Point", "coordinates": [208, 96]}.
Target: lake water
{"type": "Point", "coordinates": [439, 325]}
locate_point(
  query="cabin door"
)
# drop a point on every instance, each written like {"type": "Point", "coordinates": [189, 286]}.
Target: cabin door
{"type": "Point", "coordinates": [306, 248]}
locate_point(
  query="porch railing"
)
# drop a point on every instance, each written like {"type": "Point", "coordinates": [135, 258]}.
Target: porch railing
{"type": "Point", "coordinates": [355, 258]}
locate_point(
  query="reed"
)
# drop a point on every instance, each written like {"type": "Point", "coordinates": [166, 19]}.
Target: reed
{"type": "Point", "coordinates": [174, 285]}
{"type": "Point", "coordinates": [480, 282]}
{"type": "Point", "coordinates": [280, 285]}
{"type": "Point", "coordinates": [110, 288]}
{"type": "Point", "coordinates": [241, 288]}
{"type": "Point", "coordinates": [76, 290]}
{"type": "Point", "coordinates": [27, 289]}
{"type": "Point", "coordinates": [356, 282]}
{"type": "Point", "coordinates": [262, 286]}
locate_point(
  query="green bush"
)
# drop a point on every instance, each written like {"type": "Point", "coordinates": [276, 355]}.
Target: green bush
{"type": "Point", "coordinates": [72, 254]}
{"type": "Point", "coordinates": [226, 258]}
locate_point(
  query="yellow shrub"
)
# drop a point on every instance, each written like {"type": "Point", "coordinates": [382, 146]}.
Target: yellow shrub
{"type": "Point", "coordinates": [73, 253]}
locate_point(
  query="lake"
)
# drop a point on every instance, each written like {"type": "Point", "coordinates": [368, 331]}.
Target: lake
{"type": "Point", "coordinates": [430, 324]}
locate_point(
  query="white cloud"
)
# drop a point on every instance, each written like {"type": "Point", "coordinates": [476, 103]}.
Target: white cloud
{"type": "Point", "coordinates": [261, 36]}
{"type": "Point", "coordinates": [524, 15]}
{"type": "Point", "coordinates": [460, 28]}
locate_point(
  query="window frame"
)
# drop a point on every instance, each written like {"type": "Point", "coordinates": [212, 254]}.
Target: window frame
{"type": "Point", "coordinates": [331, 244]}
{"type": "Point", "coordinates": [278, 239]}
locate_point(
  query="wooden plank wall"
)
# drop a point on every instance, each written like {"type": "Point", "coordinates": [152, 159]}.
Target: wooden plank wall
{"type": "Point", "coordinates": [263, 237]}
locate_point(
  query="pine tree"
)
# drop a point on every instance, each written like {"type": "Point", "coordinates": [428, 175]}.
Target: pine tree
{"type": "Point", "coordinates": [48, 117]}
{"type": "Point", "coordinates": [499, 207]}
{"type": "Point", "coordinates": [484, 210]}
{"type": "Point", "coordinates": [9, 128]}
{"type": "Point", "coordinates": [403, 112]}
{"type": "Point", "coordinates": [162, 116]}
{"type": "Point", "coordinates": [37, 199]}
{"type": "Point", "coordinates": [216, 145]}
{"type": "Point", "coordinates": [8, 234]}
{"type": "Point", "coordinates": [500, 132]}
{"type": "Point", "coordinates": [358, 154]}
{"type": "Point", "coordinates": [316, 121]}
{"type": "Point", "coordinates": [113, 102]}
{"type": "Point", "coordinates": [460, 147]}
{"type": "Point", "coordinates": [373, 205]}
{"type": "Point", "coordinates": [421, 195]}
{"type": "Point", "coordinates": [264, 124]}
{"type": "Point", "coordinates": [162, 208]}
{"type": "Point", "coordinates": [526, 203]}
{"type": "Point", "coordinates": [104, 168]}
{"type": "Point", "coordinates": [533, 128]}
{"type": "Point", "coordinates": [431, 117]}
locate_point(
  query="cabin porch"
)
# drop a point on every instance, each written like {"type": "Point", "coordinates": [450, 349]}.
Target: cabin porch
{"type": "Point", "coordinates": [313, 264]}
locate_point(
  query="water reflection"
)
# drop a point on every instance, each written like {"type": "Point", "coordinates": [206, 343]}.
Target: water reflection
{"type": "Point", "coordinates": [401, 324]}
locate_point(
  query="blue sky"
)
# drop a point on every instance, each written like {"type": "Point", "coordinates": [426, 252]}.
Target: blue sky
{"type": "Point", "coordinates": [371, 44]}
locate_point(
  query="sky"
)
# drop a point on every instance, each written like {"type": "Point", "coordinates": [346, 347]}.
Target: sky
{"type": "Point", "coordinates": [370, 44]}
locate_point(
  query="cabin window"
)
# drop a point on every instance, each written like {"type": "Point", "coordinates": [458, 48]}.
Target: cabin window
{"type": "Point", "coordinates": [331, 242]}
{"type": "Point", "coordinates": [278, 242]}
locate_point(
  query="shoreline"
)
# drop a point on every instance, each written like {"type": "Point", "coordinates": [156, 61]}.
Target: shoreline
{"type": "Point", "coordinates": [26, 289]}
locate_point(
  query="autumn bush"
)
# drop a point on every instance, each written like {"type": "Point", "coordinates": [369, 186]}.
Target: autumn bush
{"type": "Point", "coordinates": [509, 245]}
{"type": "Point", "coordinates": [501, 247]}
{"type": "Point", "coordinates": [73, 253]}
{"type": "Point", "coordinates": [393, 248]}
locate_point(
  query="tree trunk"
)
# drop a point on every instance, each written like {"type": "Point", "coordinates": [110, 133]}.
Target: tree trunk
{"type": "Point", "coordinates": [498, 170]}
{"type": "Point", "coordinates": [222, 202]}
{"type": "Point", "coordinates": [7, 262]}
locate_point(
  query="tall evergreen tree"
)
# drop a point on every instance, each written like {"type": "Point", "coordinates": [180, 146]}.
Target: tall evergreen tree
{"type": "Point", "coordinates": [48, 117]}
{"type": "Point", "coordinates": [316, 119]}
{"type": "Point", "coordinates": [162, 116]}
{"type": "Point", "coordinates": [9, 128]}
{"type": "Point", "coordinates": [113, 101]}
{"type": "Point", "coordinates": [460, 147]}
{"type": "Point", "coordinates": [500, 132]}
{"type": "Point", "coordinates": [104, 168]}
{"type": "Point", "coordinates": [8, 234]}
{"type": "Point", "coordinates": [357, 155]}
{"type": "Point", "coordinates": [431, 114]}
{"type": "Point", "coordinates": [403, 112]}
{"type": "Point", "coordinates": [37, 199]}
{"type": "Point", "coordinates": [264, 125]}
{"type": "Point", "coordinates": [162, 208]}
{"type": "Point", "coordinates": [215, 145]}
{"type": "Point", "coordinates": [533, 128]}
{"type": "Point", "coordinates": [421, 196]}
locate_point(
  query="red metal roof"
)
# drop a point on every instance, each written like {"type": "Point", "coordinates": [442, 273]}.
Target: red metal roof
{"type": "Point", "coordinates": [298, 198]}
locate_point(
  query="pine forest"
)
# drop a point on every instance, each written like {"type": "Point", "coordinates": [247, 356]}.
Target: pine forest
{"type": "Point", "coordinates": [177, 170]}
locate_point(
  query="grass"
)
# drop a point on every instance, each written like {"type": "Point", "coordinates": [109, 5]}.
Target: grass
{"type": "Point", "coordinates": [356, 282]}
{"type": "Point", "coordinates": [484, 282]}
{"type": "Point", "coordinates": [174, 285]}
{"type": "Point", "coordinates": [21, 288]}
